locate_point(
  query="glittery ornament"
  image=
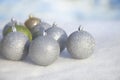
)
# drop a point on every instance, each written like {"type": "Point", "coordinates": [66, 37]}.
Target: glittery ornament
{"type": "Point", "coordinates": [59, 35]}
{"type": "Point", "coordinates": [44, 50]}
{"type": "Point", "coordinates": [32, 22]}
{"type": "Point", "coordinates": [19, 27]}
{"type": "Point", "coordinates": [39, 29]}
{"type": "Point", "coordinates": [80, 44]}
{"type": "Point", "coordinates": [45, 25]}
{"type": "Point", "coordinates": [14, 45]}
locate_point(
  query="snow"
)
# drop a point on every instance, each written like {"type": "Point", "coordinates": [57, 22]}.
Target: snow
{"type": "Point", "coordinates": [104, 64]}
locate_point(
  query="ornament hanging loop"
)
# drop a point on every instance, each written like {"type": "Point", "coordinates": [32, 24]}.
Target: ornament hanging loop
{"type": "Point", "coordinates": [30, 15]}
{"type": "Point", "coordinates": [80, 28]}
{"type": "Point", "coordinates": [54, 24]}
{"type": "Point", "coordinates": [12, 19]}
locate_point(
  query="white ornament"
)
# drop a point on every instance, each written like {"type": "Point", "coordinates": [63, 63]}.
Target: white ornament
{"type": "Point", "coordinates": [44, 50]}
{"type": "Point", "coordinates": [59, 35]}
{"type": "Point", "coordinates": [14, 46]}
{"type": "Point", "coordinates": [80, 44]}
{"type": "Point", "coordinates": [39, 29]}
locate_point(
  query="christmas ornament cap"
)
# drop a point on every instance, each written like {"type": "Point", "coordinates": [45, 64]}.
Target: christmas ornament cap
{"type": "Point", "coordinates": [32, 22]}
{"type": "Point", "coordinates": [14, 23]}
{"type": "Point", "coordinates": [44, 33]}
{"type": "Point", "coordinates": [13, 20]}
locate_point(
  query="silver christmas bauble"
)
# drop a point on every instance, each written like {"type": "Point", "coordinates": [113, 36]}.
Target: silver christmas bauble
{"type": "Point", "coordinates": [80, 44]}
{"type": "Point", "coordinates": [59, 35]}
{"type": "Point", "coordinates": [14, 46]}
{"type": "Point", "coordinates": [45, 25]}
{"type": "Point", "coordinates": [39, 29]}
{"type": "Point", "coordinates": [44, 50]}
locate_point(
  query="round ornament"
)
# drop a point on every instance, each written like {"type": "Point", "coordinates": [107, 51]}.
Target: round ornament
{"type": "Point", "coordinates": [45, 25]}
{"type": "Point", "coordinates": [32, 22]}
{"type": "Point", "coordinates": [19, 27]}
{"type": "Point", "coordinates": [39, 29]}
{"type": "Point", "coordinates": [80, 44]}
{"type": "Point", "coordinates": [59, 35]}
{"type": "Point", "coordinates": [44, 50]}
{"type": "Point", "coordinates": [14, 46]}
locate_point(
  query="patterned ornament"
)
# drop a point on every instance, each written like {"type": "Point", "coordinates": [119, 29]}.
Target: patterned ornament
{"type": "Point", "coordinates": [44, 50]}
{"type": "Point", "coordinates": [39, 29]}
{"type": "Point", "coordinates": [59, 35]}
{"type": "Point", "coordinates": [19, 27]}
{"type": "Point", "coordinates": [32, 22]}
{"type": "Point", "coordinates": [14, 46]}
{"type": "Point", "coordinates": [80, 44]}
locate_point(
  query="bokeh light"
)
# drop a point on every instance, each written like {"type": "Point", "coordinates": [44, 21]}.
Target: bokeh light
{"type": "Point", "coordinates": [61, 10]}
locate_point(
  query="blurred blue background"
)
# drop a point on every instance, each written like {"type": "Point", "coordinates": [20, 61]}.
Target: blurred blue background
{"type": "Point", "coordinates": [61, 10]}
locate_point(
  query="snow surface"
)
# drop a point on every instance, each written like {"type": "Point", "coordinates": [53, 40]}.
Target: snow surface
{"type": "Point", "coordinates": [104, 64]}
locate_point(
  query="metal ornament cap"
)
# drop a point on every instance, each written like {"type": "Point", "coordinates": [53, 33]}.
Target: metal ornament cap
{"type": "Point", "coordinates": [32, 22]}
{"type": "Point", "coordinates": [59, 35]}
{"type": "Point", "coordinates": [44, 50]}
{"type": "Point", "coordinates": [45, 25]}
{"type": "Point", "coordinates": [8, 25]}
{"type": "Point", "coordinates": [80, 44]}
{"type": "Point", "coordinates": [14, 46]}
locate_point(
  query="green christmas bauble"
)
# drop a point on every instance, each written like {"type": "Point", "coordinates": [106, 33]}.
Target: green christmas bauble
{"type": "Point", "coordinates": [20, 28]}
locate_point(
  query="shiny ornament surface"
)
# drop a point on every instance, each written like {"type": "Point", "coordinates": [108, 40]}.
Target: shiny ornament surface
{"type": "Point", "coordinates": [8, 25]}
{"type": "Point", "coordinates": [44, 50]}
{"type": "Point", "coordinates": [14, 46]}
{"type": "Point", "coordinates": [39, 29]}
{"type": "Point", "coordinates": [19, 27]}
{"type": "Point", "coordinates": [45, 25]}
{"type": "Point", "coordinates": [32, 22]}
{"type": "Point", "coordinates": [59, 35]}
{"type": "Point", "coordinates": [80, 44]}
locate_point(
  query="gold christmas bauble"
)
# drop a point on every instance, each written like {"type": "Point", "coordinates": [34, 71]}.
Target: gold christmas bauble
{"type": "Point", "coordinates": [32, 22]}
